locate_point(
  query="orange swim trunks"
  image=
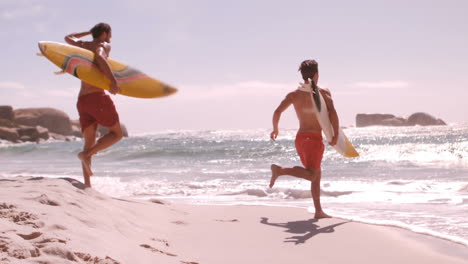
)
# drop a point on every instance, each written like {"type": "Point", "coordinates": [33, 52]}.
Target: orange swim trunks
{"type": "Point", "coordinates": [96, 108]}
{"type": "Point", "coordinates": [309, 146]}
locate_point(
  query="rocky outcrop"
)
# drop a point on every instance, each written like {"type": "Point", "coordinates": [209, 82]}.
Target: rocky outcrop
{"type": "Point", "coordinates": [59, 137]}
{"type": "Point", "coordinates": [39, 124]}
{"type": "Point", "coordinates": [28, 134]}
{"type": "Point", "coordinates": [421, 119]}
{"type": "Point", "coordinates": [395, 121]}
{"type": "Point", "coordinates": [33, 134]}
{"type": "Point", "coordinates": [9, 134]}
{"type": "Point", "coordinates": [43, 133]}
{"type": "Point", "coordinates": [54, 120]}
{"type": "Point", "coordinates": [424, 119]}
{"type": "Point", "coordinates": [7, 123]}
{"type": "Point", "coordinates": [6, 112]}
{"type": "Point", "coordinates": [363, 120]}
{"type": "Point", "coordinates": [76, 128]}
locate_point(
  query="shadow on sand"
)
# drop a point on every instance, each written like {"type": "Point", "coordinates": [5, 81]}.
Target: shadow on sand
{"type": "Point", "coordinates": [6, 180]}
{"type": "Point", "coordinates": [75, 183]}
{"type": "Point", "coordinates": [307, 229]}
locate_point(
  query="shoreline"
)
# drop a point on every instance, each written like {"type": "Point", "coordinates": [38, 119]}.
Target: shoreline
{"type": "Point", "coordinates": [390, 223]}
{"type": "Point", "coordinates": [303, 205]}
{"type": "Point", "coordinates": [50, 219]}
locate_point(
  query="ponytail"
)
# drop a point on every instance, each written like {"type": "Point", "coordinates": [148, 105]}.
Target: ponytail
{"type": "Point", "coordinates": [308, 69]}
{"type": "Point", "coordinates": [315, 93]}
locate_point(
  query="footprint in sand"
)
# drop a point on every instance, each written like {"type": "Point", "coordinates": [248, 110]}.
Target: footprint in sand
{"type": "Point", "coordinates": [90, 259]}
{"type": "Point", "coordinates": [75, 204]}
{"type": "Point", "coordinates": [31, 236]}
{"type": "Point", "coordinates": [157, 201]}
{"type": "Point", "coordinates": [165, 242]}
{"type": "Point", "coordinates": [157, 250]}
{"type": "Point", "coordinates": [42, 243]}
{"type": "Point", "coordinates": [222, 220]}
{"type": "Point", "coordinates": [4, 244]}
{"type": "Point", "coordinates": [11, 213]}
{"type": "Point", "coordinates": [57, 227]}
{"type": "Point", "coordinates": [179, 222]}
{"type": "Point", "coordinates": [45, 242]}
{"type": "Point", "coordinates": [7, 206]}
{"type": "Point", "coordinates": [44, 199]}
{"type": "Point", "coordinates": [9, 248]}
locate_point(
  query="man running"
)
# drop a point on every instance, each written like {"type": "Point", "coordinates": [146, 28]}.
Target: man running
{"type": "Point", "coordinates": [309, 142]}
{"type": "Point", "coordinates": [94, 105]}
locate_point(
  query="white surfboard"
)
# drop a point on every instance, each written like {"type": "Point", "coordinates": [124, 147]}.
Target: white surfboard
{"type": "Point", "coordinates": [343, 145]}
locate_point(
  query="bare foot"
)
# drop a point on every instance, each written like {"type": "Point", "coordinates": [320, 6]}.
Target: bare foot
{"type": "Point", "coordinates": [89, 165]}
{"type": "Point", "coordinates": [274, 174]}
{"type": "Point", "coordinates": [321, 214]}
{"type": "Point", "coordinates": [86, 162]}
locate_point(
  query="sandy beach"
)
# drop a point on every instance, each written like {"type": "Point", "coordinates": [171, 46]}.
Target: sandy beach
{"type": "Point", "coordinates": [45, 220]}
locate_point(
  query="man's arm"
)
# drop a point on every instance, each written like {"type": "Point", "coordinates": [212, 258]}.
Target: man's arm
{"type": "Point", "coordinates": [277, 114]}
{"type": "Point", "coordinates": [101, 59]}
{"type": "Point", "coordinates": [331, 114]}
{"type": "Point", "coordinates": [74, 38]}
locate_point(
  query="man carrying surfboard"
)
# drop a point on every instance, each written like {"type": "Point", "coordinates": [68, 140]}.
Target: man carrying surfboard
{"type": "Point", "coordinates": [309, 142]}
{"type": "Point", "coordinates": [94, 105]}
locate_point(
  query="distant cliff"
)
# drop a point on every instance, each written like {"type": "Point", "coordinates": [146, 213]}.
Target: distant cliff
{"type": "Point", "coordinates": [421, 119]}
{"type": "Point", "coordinates": [39, 124]}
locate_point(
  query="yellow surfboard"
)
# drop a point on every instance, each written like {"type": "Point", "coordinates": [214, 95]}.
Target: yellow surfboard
{"type": "Point", "coordinates": [81, 64]}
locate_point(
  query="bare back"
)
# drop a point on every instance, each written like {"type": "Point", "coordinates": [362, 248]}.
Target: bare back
{"type": "Point", "coordinates": [305, 112]}
{"type": "Point", "coordinates": [87, 88]}
{"type": "Point", "coordinates": [308, 122]}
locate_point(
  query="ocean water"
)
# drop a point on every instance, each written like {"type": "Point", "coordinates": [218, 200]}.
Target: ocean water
{"type": "Point", "coordinates": [410, 177]}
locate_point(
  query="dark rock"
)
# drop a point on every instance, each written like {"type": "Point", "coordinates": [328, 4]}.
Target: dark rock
{"type": "Point", "coordinates": [7, 123]}
{"type": "Point", "coordinates": [76, 131]}
{"type": "Point", "coordinates": [61, 137]}
{"type": "Point", "coordinates": [55, 121]}
{"type": "Point", "coordinates": [76, 128]}
{"type": "Point", "coordinates": [30, 132]}
{"type": "Point", "coordinates": [43, 132]}
{"type": "Point", "coordinates": [6, 112]}
{"type": "Point", "coordinates": [9, 134]}
{"type": "Point", "coordinates": [421, 119]}
{"type": "Point", "coordinates": [40, 124]}
{"type": "Point", "coordinates": [57, 136]}
{"type": "Point", "coordinates": [363, 120]}
{"type": "Point", "coordinates": [26, 139]}
{"type": "Point", "coordinates": [396, 121]}
{"type": "Point", "coordinates": [424, 119]}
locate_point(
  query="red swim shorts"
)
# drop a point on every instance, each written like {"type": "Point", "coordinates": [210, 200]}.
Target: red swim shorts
{"type": "Point", "coordinates": [96, 108]}
{"type": "Point", "coordinates": [309, 146]}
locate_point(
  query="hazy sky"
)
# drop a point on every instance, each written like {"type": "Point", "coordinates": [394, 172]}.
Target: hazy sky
{"type": "Point", "coordinates": [234, 61]}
